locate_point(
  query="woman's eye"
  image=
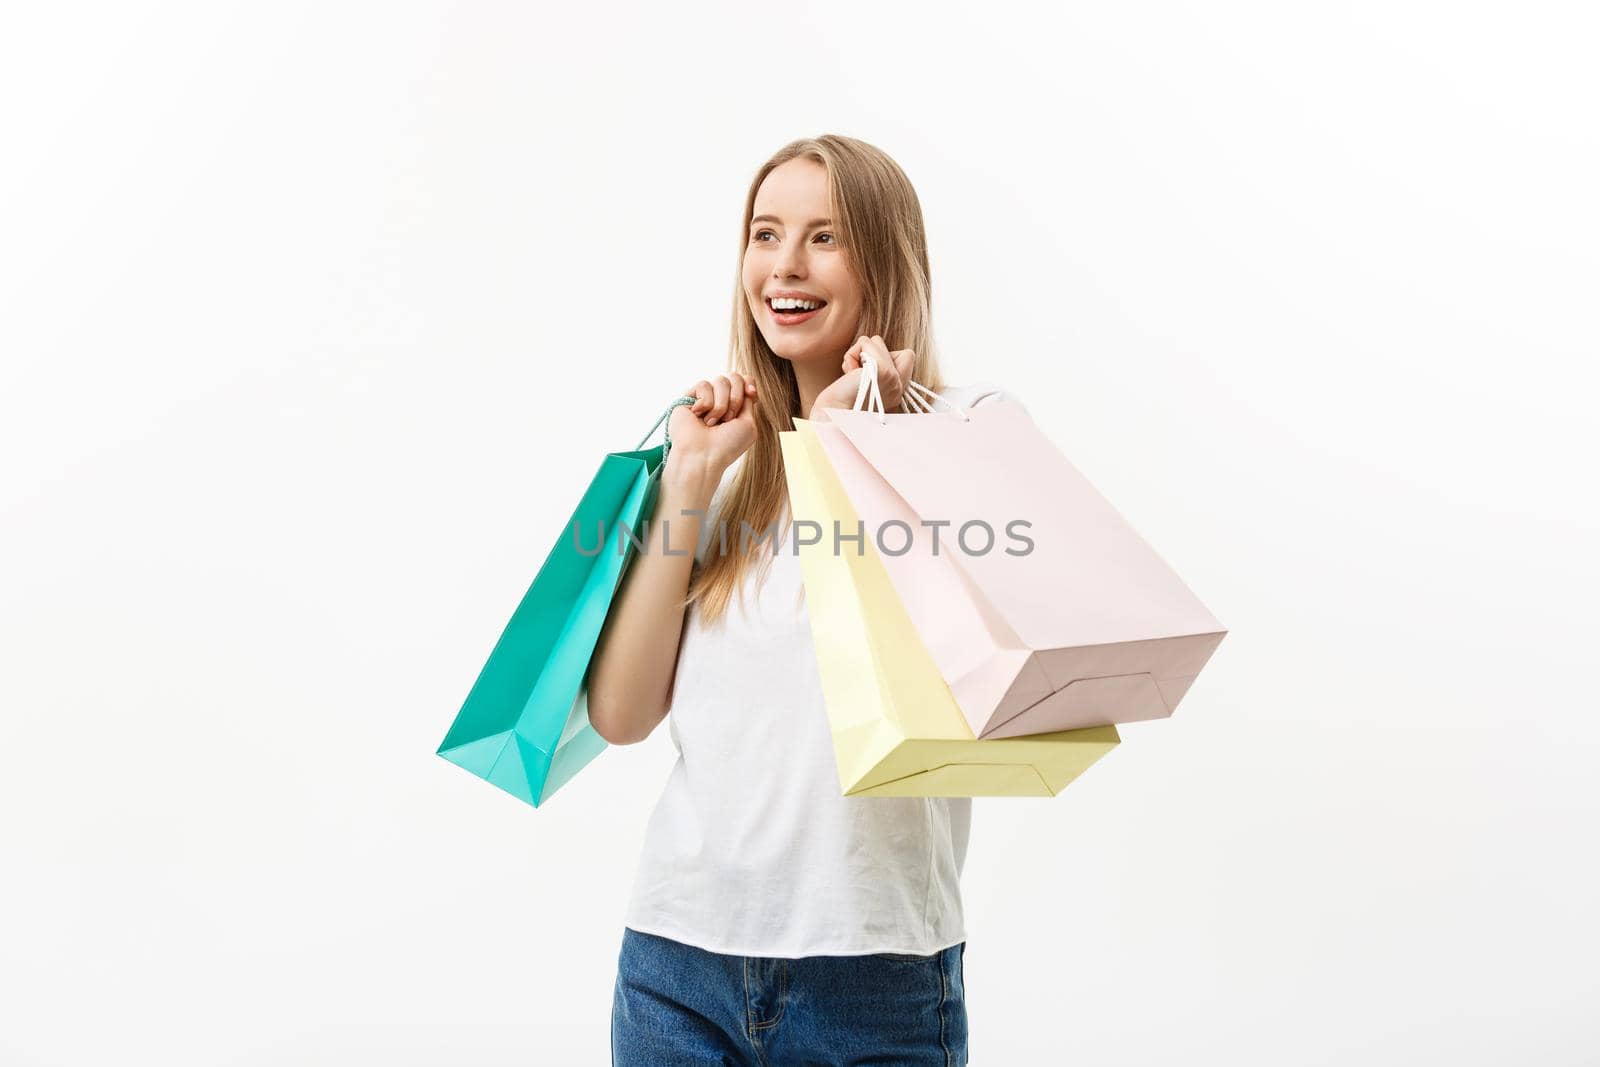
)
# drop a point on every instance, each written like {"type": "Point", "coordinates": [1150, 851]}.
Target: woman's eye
{"type": "Point", "coordinates": [759, 234]}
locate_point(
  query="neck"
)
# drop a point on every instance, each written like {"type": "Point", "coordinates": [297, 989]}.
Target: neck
{"type": "Point", "coordinates": [811, 377]}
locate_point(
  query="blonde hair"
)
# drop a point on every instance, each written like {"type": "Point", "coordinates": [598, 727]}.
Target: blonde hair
{"type": "Point", "coordinates": [878, 220]}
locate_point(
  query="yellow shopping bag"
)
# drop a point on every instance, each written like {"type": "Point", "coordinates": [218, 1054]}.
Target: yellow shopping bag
{"type": "Point", "coordinates": [897, 730]}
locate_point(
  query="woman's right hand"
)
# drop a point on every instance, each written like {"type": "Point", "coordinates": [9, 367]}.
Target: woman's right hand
{"type": "Point", "coordinates": [718, 427]}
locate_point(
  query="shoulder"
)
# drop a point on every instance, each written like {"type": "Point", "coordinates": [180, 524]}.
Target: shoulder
{"type": "Point", "coordinates": [979, 393]}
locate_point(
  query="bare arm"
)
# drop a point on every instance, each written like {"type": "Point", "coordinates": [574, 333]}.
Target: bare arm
{"type": "Point", "coordinates": [636, 658]}
{"type": "Point", "coordinates": [637, 654]}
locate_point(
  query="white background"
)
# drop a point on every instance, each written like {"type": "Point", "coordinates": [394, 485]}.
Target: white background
{"type": "Point", "coordinates": [316, 318]}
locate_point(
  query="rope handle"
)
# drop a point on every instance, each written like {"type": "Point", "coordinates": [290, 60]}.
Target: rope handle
{"type": "Point", "coordinates": [666, 431]}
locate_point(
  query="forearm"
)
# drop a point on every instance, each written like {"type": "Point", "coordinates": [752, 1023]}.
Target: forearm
{"type": "Point", "coordinates": [632, 669]}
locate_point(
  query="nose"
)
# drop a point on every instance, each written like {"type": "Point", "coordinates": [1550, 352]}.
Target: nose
{"type": "Point", "coordinates": [791, 262]}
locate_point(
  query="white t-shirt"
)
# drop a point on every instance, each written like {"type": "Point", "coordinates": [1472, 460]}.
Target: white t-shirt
{"type": "Point", "coordinates": [752, 849]}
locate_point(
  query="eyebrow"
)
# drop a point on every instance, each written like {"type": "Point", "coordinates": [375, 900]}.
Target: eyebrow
{"type": "Point", "coordinates": [774, 218]}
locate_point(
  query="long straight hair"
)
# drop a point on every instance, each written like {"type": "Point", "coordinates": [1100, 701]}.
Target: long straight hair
{"type": "Point", "coordinates": [879, 222]}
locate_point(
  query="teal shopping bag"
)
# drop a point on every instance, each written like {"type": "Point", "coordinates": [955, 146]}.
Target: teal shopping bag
{"type": "Point", "coordinates": [525, 724]}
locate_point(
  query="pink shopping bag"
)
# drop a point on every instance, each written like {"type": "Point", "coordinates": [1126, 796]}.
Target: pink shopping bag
{"type": "Point", "coordinates": [1070, 619]}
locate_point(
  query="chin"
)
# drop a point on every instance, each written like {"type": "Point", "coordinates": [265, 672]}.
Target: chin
{"type": "Point", "coordinates": [784, 348]}
{"type": "Point", "coordinates": [805, 353]}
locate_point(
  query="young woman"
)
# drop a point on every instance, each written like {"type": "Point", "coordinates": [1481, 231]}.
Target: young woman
{"type": "Point", "coordinates": [774, 920]}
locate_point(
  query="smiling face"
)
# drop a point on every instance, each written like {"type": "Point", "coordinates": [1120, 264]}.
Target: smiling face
{"type": "Point", "coordinates": [793, 257]}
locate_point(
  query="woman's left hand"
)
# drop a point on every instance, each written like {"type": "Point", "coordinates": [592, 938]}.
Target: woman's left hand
{"type": "Point", "coordinates": [894, 370]}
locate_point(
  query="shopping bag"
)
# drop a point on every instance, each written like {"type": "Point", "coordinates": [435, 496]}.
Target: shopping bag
{"type": "Point", "coordinates": [1068, 618]}
{"type": "Point", "coordinates": [897, 730]}
{"type": "Point", "coordinates": [524, 726]}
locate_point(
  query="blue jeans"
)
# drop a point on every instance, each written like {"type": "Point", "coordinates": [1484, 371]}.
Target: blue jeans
{"type": "Point", "coordinates": [676, 1005]}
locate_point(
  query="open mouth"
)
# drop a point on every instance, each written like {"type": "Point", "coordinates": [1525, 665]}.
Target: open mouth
{"type": "Point", "coordinates": [792, 312]}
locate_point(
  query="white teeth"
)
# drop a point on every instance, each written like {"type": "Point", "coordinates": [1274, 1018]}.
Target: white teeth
{"type": "Point", "coordinates": [785, 303]}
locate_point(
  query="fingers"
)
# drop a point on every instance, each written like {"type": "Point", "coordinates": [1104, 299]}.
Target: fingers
{"type": "Point", "coordinates": [723, 398]}
{"type": "Point", "coordinates": [877, 349]}
{"type": "Point", "coordinates": [719, 400]}
{"type": "Point", "coordinates": [702, 393]}
{"type": "Point", "coordinates": [852, 356]}
{"type": "Point", "coordinates": [905, 361]}
{"type": "Point", "coordinates": [739, 388]}
{"type": "Point", "coordinates": [728, 395]}
{"type": "Point", "coordinates": [865, 345]}
{"type": "Point", "coordinates": [879, 352]}
{"type": "Point", "coordinates": [893, 369]}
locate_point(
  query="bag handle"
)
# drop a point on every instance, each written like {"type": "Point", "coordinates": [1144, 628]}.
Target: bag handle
{"type": "Point", "coordinates": [666, 432]}
{"type": "Point", "coordinates": [918, 397]}
{"type": "Point", "coordinates": [867, 388]}
{"type": "Point", "coordinates": [927, 398]}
